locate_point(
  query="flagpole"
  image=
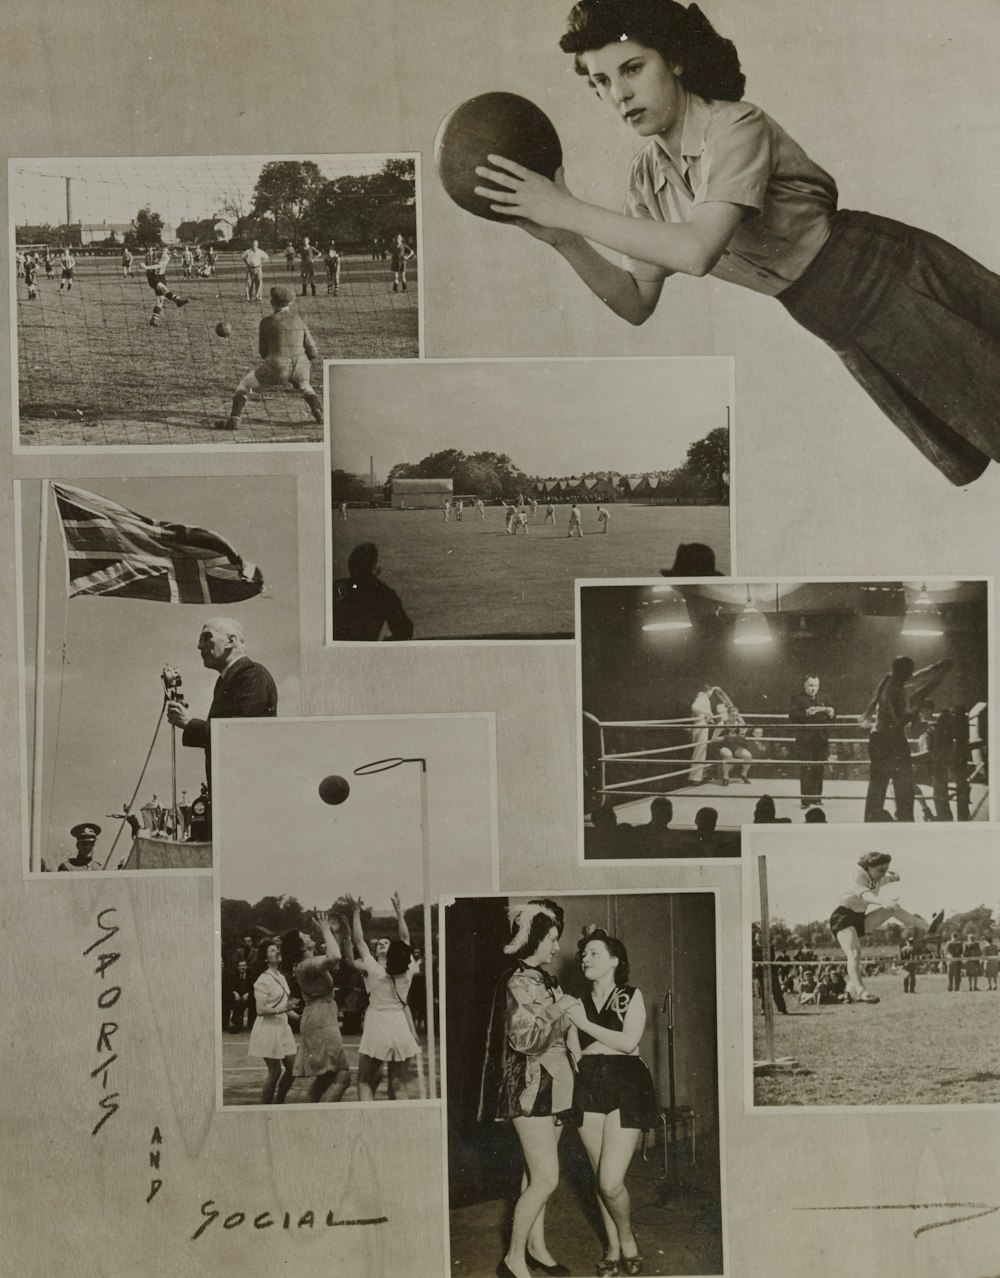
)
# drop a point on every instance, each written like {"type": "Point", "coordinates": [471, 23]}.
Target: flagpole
{"type": "Point", "coordinates": [35, 862]}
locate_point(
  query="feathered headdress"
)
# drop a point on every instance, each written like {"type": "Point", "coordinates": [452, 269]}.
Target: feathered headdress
{"type": "Point", "coordinates": [521, 917]}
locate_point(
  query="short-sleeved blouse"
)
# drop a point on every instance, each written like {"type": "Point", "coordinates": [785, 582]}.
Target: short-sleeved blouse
{"type": "Point", "coordinates": [735, 153]}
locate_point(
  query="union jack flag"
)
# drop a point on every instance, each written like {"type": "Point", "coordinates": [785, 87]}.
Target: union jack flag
{"type": "Point", "coordinates": [115, 552]}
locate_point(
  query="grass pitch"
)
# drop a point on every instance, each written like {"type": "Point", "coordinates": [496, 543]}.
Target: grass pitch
{"type": "Point", "coordinates": [92, 371]}
{"type": "Point", "coordinates": [928, 1048]}
{"type": "Point", "coordinates": [472, 580]}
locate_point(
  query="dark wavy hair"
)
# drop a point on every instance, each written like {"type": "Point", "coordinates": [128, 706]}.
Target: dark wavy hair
{"type": "Point", "coordinates": [541, 925]}
{"type": "Point", "coordinates": [683, 35]}
{"type": "Point", "coordinates": [613, 946]}
{"type": "Point", "coordinates": [292, 951]}
{"type": "Point", "coordinates": [397, 958]}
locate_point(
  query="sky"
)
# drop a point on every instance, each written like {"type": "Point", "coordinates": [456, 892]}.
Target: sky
{"type": "Point", "coordinates": [954, 867]}
{"type": "Point", "coordinates": [275, 836]}
{"type": "Point", "coordinates": [553, 417]}
{"type": "Point", "coordinates": [102, 705]}
{"type": "Point", "coordinates": [179, 188]}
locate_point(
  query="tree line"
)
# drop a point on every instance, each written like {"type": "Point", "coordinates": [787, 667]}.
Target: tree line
{"type": "Point", "coordinates": [492, 476]}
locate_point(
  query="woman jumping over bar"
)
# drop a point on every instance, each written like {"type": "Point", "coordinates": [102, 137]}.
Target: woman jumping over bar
{"type": "Point", "coordinates": [860, 910]}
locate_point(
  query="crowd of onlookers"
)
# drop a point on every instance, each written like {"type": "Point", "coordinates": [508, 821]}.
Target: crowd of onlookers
{"type": "Point", "coordinates": [805, 976]}
{"type": "Point", "coordinates": [658, 837]}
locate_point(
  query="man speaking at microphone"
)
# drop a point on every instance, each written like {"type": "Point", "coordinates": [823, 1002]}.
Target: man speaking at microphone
{"type": "Point", "coordinates": [244, 689]}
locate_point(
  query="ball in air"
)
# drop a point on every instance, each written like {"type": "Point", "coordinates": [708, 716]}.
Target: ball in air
{"type": "Point", "coordinates": [334, 790]}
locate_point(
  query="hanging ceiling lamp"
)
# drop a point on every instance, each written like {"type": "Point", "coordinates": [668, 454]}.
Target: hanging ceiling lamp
{"type": "Point", "coordinates": [667, 610]}
{"type": "Point", "coordinates": [751, 625]}
{"type": "Point", "coordinates": [923, 618]}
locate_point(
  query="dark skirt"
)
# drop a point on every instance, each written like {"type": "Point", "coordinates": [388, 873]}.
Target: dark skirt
{"type": "Point", "coordinates": [607, 1083]}
{"type": "Point", "coordinates": [842, 918]}
{"type": "Point", "coordinates": [917, 323]}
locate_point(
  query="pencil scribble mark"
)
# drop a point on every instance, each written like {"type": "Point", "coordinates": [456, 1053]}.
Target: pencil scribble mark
{"type": "Point", "coordinates": [979, 1210]}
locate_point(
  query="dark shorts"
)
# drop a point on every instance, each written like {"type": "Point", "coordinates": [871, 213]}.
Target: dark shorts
{"type": "Point", "coordinates": [67, 272]}
{"type": "Point", "coordinates": [153, 278]}
{"type": "Point", "coordinates": [607, 1083]}
{"type": "Point", "coordinates": [917, 324]}
{"type": "Point", "coordinates": [842, 917]}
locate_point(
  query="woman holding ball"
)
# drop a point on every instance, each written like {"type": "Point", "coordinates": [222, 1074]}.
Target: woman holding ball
{"type": "Point", "coordinates": [720, 188]}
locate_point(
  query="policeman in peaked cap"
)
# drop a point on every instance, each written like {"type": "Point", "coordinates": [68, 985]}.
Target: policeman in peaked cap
{"type": "Point", "coordinates": [86, 836]}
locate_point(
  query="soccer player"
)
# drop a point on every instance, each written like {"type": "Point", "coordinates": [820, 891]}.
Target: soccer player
{"type": "Point", "coordinates": [187, 262]}
{"type": "Point", "coordinates": [286, 348]}
{"type": "Point", "coordinates": [126, 263]}
{"type": "Point", "coordinates": [156, 278]}
{"type": "Point", "coordinates": [47, 263]}
{"type": "Point", "coordinates": [254, 259]}
{"type": "Point", "coordinates": [29, 269]}
{"type": "Point", "coordinates": [332, 263]}
{"type": "Point", "coordinates": [574, 521]}
{"type": "Point", "coordinates": [308, 255]}
{"type": "Point", "coordinates": [602, 518]}
{"type": "Point", "coordinates": [19, 260]}
{"type": "Point", "coordinates": [68, 261]}
{"type": "Point", "coordinates": [400, 254]}
{"type": "Point", "coordinates": [290, 258]}
{"type": "Point", "coordinates": [211, 257]}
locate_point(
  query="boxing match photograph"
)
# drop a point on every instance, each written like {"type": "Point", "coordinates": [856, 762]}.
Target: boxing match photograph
{"type": "Point", "coordinates": [710, 705]}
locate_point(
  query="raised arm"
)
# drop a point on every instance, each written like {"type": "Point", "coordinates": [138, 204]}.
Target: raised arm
{"type": "Point", "coordinates": [626, 1039]}
{"type": "Point", "coordinates": [360, 944]}
{"type": "Point", "coordinates": [346, 944]}
{"type": "Point", "coordinates": [404, 931]}
{"type": "Point", "coordinates": [332, 948]}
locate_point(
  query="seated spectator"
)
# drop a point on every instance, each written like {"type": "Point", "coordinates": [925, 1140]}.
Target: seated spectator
{"type": "Point", "coordinates": [765, 813]}
{"type": "Point", "coordinates": [815, 816]}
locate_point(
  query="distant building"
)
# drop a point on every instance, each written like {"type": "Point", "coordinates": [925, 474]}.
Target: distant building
{"type": "Point", "coordinates": [420, 494]}
{"type": "Point", "coordinates": [206, 230]}
{"type": "Point", "coordinates": [98, 232]}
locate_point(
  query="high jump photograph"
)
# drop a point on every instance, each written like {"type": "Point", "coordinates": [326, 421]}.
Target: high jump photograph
{"type": "Point", "coordinates": [467, 495]}
{"type": "Point", "coordinates": [335, 838]}
{"type": "Point", "coordinates": [864, 957]}
{"type": "Point", "coordinates": [150, 610]}
{"type": "Point", "coordinates": [581, 1056]}
{"type": "Point", "coordinates": [709, 705]}
{"type": "Point", "coordinates": [191, 299]}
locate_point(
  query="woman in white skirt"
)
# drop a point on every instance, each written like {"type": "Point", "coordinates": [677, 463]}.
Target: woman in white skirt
{"type": "Point", "coordinates": [387, 1038]}
{"type": "Point", "coordinates": [271, 1036]}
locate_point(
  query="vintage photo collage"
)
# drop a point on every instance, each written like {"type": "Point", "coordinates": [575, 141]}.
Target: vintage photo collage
{"type": "Point", "coordinates": [502, 706]}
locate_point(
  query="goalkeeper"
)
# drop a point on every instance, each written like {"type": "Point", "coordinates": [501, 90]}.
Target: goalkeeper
{"type": "Point", "coordinates": [286, 348]}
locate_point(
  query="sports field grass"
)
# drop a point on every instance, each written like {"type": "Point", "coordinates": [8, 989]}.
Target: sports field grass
{"type": "Point", "coordinates": [928, 1048]}
{"type": "Point", "coordinates": [243, 1076]}
{"type": "Point", "coordinates": [92, 371]}
{"type": "Point", "coordinates": [472, 580]}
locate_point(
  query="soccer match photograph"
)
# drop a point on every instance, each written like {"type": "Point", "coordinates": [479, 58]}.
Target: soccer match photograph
{"type": "Point", "coordinates": [711, 705]}
{"type": "Point", "coordinates": [150, 609]}
{"type": "Point", "coordinates": [864, 953]}
{"type": "Point", "coordinates": [335, 839]}
{"type": "Point", "coordinates": [467, 495]}
{"type": "Point", "coordinates": [192, 299]}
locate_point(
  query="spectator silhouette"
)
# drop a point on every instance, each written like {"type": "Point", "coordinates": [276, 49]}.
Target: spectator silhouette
{"type": "Point", "coordinates": [363, 604]}
{"type": "Point", "coordinates": [692, 559]}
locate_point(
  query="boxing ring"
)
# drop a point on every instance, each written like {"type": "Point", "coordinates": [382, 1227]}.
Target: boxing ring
{"type": "Point", "coordinates": [686, 760]}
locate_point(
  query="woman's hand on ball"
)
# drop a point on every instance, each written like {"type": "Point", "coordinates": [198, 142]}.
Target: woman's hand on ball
{"type": "Point", "coordinates": [525, 196]}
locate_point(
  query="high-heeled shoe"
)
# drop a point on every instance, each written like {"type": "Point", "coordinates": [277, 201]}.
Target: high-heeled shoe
{"type": "Point", "coordinates": [632, 1264]}
{"type": "Point", "coordinates": [556, 1271]}
{"type": "Point", "coordinates": [608, 1267]}
{"type": "Point", "coordinates": [504, 1270]}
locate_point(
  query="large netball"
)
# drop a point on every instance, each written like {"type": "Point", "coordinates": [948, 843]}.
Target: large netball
{"type": "Point", "coordinates": [334, 790]}
{"type": "Point", "coordinates": [492, 124]}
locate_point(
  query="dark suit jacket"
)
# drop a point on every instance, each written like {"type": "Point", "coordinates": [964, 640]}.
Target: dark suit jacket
{"type": "Point", "coordinates": [244, 691]}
